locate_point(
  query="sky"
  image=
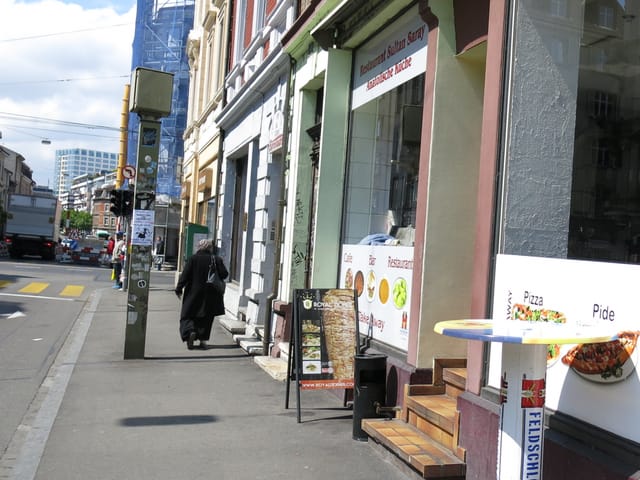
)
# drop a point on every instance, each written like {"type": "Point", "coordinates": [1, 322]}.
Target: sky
{"type": "Point", "coordinates": [65, 65]}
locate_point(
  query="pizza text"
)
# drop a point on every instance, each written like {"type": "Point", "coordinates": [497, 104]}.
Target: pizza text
{"type": "Point", "coordinates": [532, 299]}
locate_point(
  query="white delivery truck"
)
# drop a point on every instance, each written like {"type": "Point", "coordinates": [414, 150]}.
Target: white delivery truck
{"type": "Point", "coordinates": [33, 225]}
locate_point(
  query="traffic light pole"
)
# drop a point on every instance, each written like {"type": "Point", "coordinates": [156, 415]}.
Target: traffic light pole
{"type": "Point", "coordinates": [151, 100]}
{"type": "Point", "coordinates": [139, 260]}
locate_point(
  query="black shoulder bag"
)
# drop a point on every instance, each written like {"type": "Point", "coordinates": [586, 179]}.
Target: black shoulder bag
{"type": "Point", "coordinates": [213, 278]}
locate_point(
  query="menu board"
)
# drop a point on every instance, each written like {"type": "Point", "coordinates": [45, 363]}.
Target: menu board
{"type": "Point", "coordinates": [586, 381]}
{"type": "Point", "coordinates": [381, 276]}
{"type": "Point", "coordinates": [326, 337]}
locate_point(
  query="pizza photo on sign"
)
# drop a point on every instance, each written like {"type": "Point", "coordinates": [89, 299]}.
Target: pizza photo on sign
{"type": "Point", "coordinates": [525, 313]}
{"type": "Point", "coordinates": [604, 362]}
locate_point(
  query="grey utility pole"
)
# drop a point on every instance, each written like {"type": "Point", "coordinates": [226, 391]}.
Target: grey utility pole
{"type": "Point", "coordinates": [151, 100]}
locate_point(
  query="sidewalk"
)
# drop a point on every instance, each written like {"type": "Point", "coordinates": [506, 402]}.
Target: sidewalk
{"type": "Point", "coordinates": [177, 414]}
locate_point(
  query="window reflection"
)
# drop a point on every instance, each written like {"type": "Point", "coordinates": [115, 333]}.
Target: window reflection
{"type": "Point", "coordinates": [605, 201]}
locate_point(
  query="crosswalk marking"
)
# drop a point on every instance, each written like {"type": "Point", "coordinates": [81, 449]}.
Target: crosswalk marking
{"type": "Point", "coordinates": [39, 287]}
{"type": "Point", "coordinates": [34, 287]}
{"type": "Point", "coordinates": [72, 291]}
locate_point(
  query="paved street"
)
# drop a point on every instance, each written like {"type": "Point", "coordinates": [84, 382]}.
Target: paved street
{"type": "Point", "coordinates": [177, 414]}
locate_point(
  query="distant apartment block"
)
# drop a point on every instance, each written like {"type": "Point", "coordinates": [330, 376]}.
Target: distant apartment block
{"type": "Point", "coordinates": [73, 162]}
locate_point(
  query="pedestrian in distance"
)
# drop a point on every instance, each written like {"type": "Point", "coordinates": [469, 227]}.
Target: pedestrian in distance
{"type": "Point", "coordinates": [158, 251]}
{"type": "Point", "coordinates": [117, 259]}
{"type": "Point", "coordinates": [111, 243]}
{"type": "Point", "coordinates": [201, 302]}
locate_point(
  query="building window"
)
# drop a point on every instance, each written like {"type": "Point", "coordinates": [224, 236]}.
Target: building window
{"type": "Point", "coordinates": [606, 17]}
{"type": "Point", "coordinates": [603, 105]}
{"type": "Point", "coordinates": [558, 8]}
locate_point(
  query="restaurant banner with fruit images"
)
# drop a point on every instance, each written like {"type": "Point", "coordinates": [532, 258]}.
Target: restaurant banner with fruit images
{"type": "Point", "coordinates": [598, 383]}
{"type": "Point", "coordinates": [381, 276]}
{"type": "Point", "coordinates": [326, 338]}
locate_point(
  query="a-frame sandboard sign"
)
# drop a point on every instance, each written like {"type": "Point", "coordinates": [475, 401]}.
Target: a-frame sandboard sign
{"type": "Point", "coordinates": [324, 340]}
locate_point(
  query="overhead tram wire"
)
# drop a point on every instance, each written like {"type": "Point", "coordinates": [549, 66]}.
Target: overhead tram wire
{"type": "Point", "coordinates": [27, 118]}
{"type": "Point", "coordinates": [25, 130]}
{"type": "Point", "coordinates": [62, 80]}
{"type": "Point", "coordinates": [68, 32]}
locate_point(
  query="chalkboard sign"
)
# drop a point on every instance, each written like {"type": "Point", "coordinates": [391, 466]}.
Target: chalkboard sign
{"type": "Point", "coordinates": [324, 340]}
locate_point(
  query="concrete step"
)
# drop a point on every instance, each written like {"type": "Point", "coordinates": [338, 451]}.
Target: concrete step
{"type": "Point", "coordinates": [233, 326]}
{"type": "Point", "coordinates": [249, 343]}
{"type": "Point", "coordinates": [275, 367]}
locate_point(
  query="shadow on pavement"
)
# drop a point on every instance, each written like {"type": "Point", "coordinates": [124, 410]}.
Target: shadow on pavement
{"type": "Point", "coordinates": [167, 420]}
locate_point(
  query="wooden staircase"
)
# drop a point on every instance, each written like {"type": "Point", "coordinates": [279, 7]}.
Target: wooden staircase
{"type": "Point", "coordinates": [425, 434]}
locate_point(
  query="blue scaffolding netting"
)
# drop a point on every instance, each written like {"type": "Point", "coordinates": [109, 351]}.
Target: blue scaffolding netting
{"type": "Point", "coordinates": [161, 32]}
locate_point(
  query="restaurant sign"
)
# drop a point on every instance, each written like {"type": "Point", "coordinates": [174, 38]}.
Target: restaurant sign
{"type": "Point", "coordinates": [381, 277]}
{"type": "Point", "coordinates": [580, 378]}
{"type": "Point", "coordinates": [326, 338]}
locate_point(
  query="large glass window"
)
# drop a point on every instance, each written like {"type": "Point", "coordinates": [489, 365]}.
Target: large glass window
{"type": "Point", "coordinates": [605, 192]}
{"type": "Point", "coordinates": [383, 166]}
{"type": "Point", "coordinates": [571, 183]}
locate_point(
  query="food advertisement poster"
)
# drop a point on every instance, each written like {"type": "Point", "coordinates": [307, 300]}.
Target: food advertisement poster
{"type": "Point", "coordinates": [381, 276]}
{"type": "Point", "coordinates": [587, 381]}
{"type": "Point", "coordinates": [327, 337]}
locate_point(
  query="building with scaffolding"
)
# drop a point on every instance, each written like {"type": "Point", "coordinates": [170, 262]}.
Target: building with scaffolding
{"type": "Point", "coordinates": [160, 39]}
{"type": "Point", "coordinates": [162, 28]}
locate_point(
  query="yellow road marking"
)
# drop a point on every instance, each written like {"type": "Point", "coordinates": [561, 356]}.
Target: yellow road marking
{"type": "Point", "coordinates": [72, 291]}
{"type": "Point", "coordinates": [34, 287]}
{"type": "Point", "coordinates": [4, 283]}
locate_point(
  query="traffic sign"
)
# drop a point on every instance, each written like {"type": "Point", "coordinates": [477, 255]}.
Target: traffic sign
{"type": "Point", "coordinates": [129, 171]}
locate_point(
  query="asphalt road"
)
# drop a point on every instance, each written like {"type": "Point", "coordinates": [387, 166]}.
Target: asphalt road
{"type": "Point", "coordinates": [39, 302]}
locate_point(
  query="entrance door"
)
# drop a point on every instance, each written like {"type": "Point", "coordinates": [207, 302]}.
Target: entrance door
{"type": "Point", "coordinates": [239, 219]}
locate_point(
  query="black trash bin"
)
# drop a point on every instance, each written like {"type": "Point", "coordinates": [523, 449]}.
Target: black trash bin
{"type": "Point", "coordinates": [370, 378]}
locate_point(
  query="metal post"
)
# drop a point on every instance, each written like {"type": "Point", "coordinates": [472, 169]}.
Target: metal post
{"type": "Point", "coordinates": [151, 100]}
{"type": "Point", "coordinates": [142, 230]}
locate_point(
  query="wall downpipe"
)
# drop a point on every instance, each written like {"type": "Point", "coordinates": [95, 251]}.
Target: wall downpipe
{"type": "Point", "coordinates": [214, 234]}
{"type": "Point", "coordinates": [266, 337]}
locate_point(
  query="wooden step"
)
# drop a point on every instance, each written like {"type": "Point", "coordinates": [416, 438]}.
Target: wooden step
{"type": "Point", "coordinates": [455, 376]}
{"type": "Point", "coordinates": [440, 410]}
{"type": "Point", "coordinates": [415, 448]}
{"type": "Point", "coordinates": [455, 380]}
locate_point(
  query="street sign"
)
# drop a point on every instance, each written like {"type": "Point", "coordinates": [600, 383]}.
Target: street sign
{"type": "Point", "coordinates": [129, 171]}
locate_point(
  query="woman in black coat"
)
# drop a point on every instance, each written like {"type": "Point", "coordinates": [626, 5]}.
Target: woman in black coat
{"type": "Point", "coordinates": [201, 302]}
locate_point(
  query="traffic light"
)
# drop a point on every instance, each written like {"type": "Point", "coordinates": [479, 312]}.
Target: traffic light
{"type": "Point", "coordinates": [127, 203]}
{"type": "Point", "coordinates": [121, 202]}
{"type": "Point", "coordinates": [116, 202]}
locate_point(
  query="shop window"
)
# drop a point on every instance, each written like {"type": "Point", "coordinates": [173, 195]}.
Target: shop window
{"type": "Point", "coordinates": [573, 168]}
{"type": "Point", "coordinates": [607, 226]}
{"type": "Point", "coordinates": [383, 166]}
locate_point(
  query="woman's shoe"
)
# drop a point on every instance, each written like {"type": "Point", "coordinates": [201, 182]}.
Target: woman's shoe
{"type": "Point", "coordinates": [190, 340]}
{"type": "Point", "coordinates": [203, 345]}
